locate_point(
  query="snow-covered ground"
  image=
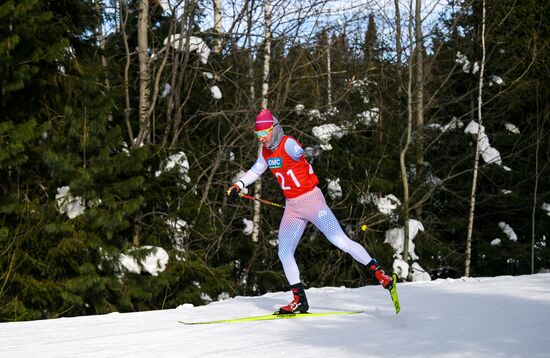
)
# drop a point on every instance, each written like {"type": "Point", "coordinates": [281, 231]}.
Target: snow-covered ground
{"type": "Point", "coordinates": [476, 317]}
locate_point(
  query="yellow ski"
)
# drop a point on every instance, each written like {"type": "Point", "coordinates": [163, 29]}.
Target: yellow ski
{"type": "Point", "coordinates": [275, 316]}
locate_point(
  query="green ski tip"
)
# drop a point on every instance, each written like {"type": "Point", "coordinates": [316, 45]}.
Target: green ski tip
{"type": "Point", "coordinates": [394, 296]}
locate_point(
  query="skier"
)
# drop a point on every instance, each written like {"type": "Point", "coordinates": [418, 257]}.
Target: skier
{"type": "Point", "coordinates": [284, 156]}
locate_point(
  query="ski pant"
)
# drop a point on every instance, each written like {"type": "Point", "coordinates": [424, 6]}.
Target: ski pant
{"type": "Point", "coordinates": [312, 207]}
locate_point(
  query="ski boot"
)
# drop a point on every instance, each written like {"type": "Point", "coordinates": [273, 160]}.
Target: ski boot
{"type": "Point", "coordinates": [298, 304]}
{"type": "Point", "coordinates": [379, 274]}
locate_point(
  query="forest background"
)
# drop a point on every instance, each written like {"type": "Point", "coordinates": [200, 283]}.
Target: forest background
{"type": "Point", "coordinates": [123, 123]}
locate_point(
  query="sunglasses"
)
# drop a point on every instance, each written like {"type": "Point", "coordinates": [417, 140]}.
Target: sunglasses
{"type": "Point", "coordinates": [263, 133]}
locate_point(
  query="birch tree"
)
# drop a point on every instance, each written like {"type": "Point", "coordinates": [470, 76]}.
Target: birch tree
{"type": "Point", "coordinates": [123, 12]}
{"type": "Point", "coordinates": [144, 72]}
{"type": "Point", "coordinates": [535, 192]}
{"type": "Point", "coordinates": [398, 48]}
{"type": "Point", "coordinates": [419, 85]}
{"type": "Point", "coordinates": [250, 73]}
{"type": "Point", "coordinates": [267, 53]}
{"type": "Point", "coordinates": [265, 90]}
{"type": "Point", "coordinates": [467, 261]}
{"type": "Point", "coordinates": [329, 78]}
{"type": "Point", "coordinates": [217, 26]}
{"type": "Point", "coordinates": [101, 36]}
{"type": "Point", "coordinates": [405, 148]}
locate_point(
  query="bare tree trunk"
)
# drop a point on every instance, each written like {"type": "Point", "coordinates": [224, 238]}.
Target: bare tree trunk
{"type": "Point", "coordinates": [419, 85]}
{"type": "Point", "coordinates": [538, 139]}
{"type": "Point", "coordinates": [398, 48]}
{"type": "Point", "coordinates": [217, 26]}
{"type": "Point", "coordinates": [123, 21]}
{"type": "Point", "coordinates": [175, 67]}
{"type": "Point", "coordinates": [117, 11]}
{"type": "Point", "coordinates": [267, 53]}
{"type": "Point", "coordinates": [257, 207]}
{"type": "Point", "coordinates": [136, 235]}
{"type": "Point", "coordinates": [251, 57]}
{"type": "Point", "coordinates": [102, 48]}
{"type": "Point", "coordinates": [467, 260]}
{"type": "Point", "coordinates": [144, 76]}
{"type": "Point", "coordinates": [404, 178]}
{"type": "Point", "coordinates": [265, 90]}
{"type": "Point", "coordinates": [329, 77]}
{"type": "Point", "coordinates": [403, 167]}
{"type": "Point", "coordinates": [144, 72]}
{"type": "Point", "coordinates": [101, 38]}
{"type": "Point", "coordinates": [178, 101]}
{"type": "Point", "coordinates": [179, 64]}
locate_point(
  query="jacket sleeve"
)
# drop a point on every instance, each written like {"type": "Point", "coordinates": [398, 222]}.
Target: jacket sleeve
{"type": "Point", "coordinates": [253, 173]}
{"type": "Point", "coordinates": [294, 149]}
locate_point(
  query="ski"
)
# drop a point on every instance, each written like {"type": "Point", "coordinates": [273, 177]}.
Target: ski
{"type": "Point", "coordinates": [274, 316]}
{"type": "Point", "coordinates": [393, 294]}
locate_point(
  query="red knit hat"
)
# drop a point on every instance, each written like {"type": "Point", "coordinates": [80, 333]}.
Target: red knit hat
{"type": "Point", "coordinates": [264, 120]}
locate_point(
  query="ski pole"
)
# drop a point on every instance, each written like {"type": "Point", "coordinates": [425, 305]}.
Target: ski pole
{"type": "Point", "coordinates": [261, 200]}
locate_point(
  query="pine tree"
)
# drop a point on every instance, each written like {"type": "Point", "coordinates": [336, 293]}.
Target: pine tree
{"type": "Point", "coordinates": [40, 44]}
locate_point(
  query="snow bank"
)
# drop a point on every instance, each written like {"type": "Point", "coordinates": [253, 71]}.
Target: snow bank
{"type": "Point", "coordinates": [470, 317]}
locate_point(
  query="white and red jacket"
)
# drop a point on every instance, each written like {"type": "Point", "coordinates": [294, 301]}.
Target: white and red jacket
{"type": "Point", "coordinates": [288, 164]}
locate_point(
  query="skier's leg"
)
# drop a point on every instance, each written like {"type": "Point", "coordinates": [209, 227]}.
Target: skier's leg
{"type": "Point", "coordinates": [290, 231]}
{"type": "Point", "coordinates": [330, 227]}
{"type": "Point", "coordinates": [317, 211]}
{"type": "Point", "coordinates": [323, 218]}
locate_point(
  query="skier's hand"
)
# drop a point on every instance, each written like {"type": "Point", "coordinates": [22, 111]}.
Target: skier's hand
{"type": "Point", "coordinates": [233, 192]}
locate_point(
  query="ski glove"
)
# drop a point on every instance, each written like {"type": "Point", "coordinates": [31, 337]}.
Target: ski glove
{"type": "Point", "coordinates": [234, 191]}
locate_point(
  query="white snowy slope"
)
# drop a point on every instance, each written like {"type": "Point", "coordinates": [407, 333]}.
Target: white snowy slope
{"type": "Point", "coordinates": [476, 317]}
